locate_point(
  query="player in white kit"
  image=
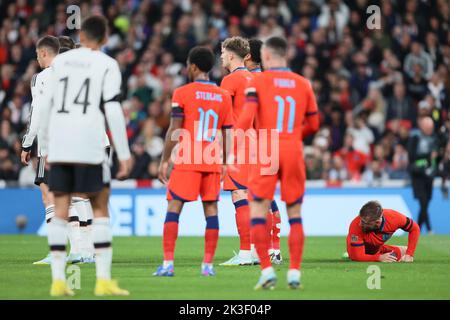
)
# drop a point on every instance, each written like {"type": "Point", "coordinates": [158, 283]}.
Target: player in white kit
{"type": "Point", "coordinates": [83, 89]}
{"type": "Point", "coordinates": [81, 248]}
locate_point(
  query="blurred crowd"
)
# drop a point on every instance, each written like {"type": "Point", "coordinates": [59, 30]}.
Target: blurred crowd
{"type": "Point", "coordinates": [371, 84]}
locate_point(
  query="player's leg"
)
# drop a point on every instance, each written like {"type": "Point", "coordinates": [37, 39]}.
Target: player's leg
{"type": "Point", "coordinates": [296, 242]}
{"type": "Point", "coordinates": [236, 183]}
{"type": "Point", "coordinates": [81, 204]}
{"type": "Point", "coordinates": [403, 250]}
{"type": "Point", "coordinates": [394, 250]}
{"type": "Point", "coordinates": [178, 192]}
{"type": "Point", "coordinates": [170, 236]}
{"type": "Point", "coordinates": [57, 239]}
{"type": "Point", "coordinates": [275, 233]}
{"type": "Point", "coordinates": [240, 202]}
{"type": "Point", "coordinates": [73, 233]}
{"type": "Point", "coordinates": [211, 236]}
{"type": "Point", "coordinates": [88, 180]}
{"type": "Point", "coordinates": [61, 185]}
{"type": "Point", "coordinates": [261, 192]}
{"type": "Point", "coordinates": [48, 201]}
{"type": "Point", "coordinates": [102, 238]}
{"type": "Point", "coordinates": [209, 192]}
{"type": "Point", "coordinates": [292, 180]}
{"type": "Point", "coordinates": [84, 208]}
{"type": "Point", "coordinates": [261, 237]}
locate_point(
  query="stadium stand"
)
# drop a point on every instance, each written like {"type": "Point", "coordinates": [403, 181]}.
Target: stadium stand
{"type": "Point", "coordinates": [370, 84]}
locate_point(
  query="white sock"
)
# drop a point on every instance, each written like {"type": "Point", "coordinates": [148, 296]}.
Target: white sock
{"type": "Point", "coordinates": [267, 271]}
{"type": "Point", "coordinates": [167, 263]}
{"type": "Point", "coordinates": [85, 244]}
{"type": "Point", "coordinates": [49, 213]}
{"type": "Point", "coordinates": [294, 273]}
{"type": "Point", "coordinates": [245, 254]}
{"type": "Point", "coordinates": [101, 231]}
{"type": "Point", "coordinates": [74, 231]}
{"type": "Point", "coordinates": [89, 219]}
{"type": "Point", "coordinates": [57, 238]}
{"type": "Point", "coordinates": [253, 252]}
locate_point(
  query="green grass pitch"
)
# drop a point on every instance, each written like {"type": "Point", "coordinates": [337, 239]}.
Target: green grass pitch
{"type": "Point", "coordinates": [324, 274]}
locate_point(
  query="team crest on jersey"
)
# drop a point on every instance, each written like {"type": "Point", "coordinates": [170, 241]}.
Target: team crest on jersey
{"type": "Point", "coordinates": [354, 238]}
{"type": "Point", "coordinates": [386, 236]}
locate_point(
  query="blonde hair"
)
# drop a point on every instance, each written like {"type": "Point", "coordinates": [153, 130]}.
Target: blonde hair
{"type": "Point", "coordinates": [237, 45]}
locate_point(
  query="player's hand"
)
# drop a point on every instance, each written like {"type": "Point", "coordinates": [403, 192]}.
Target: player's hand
{"type": "Point", "coordinates": [162, 171]}
{"type": "Point", "coordinates": [388, 257]}
{"type": "Point", "coordinates": [224, 172]}
{"type": "Point", "coordinates": [232, 168]}
{"type": "Point", "coordinates": [25, 157]}
{"type": "Point", "coordinates": [407, 258]}
{"type": "Point", "coordinates": [124, 169]}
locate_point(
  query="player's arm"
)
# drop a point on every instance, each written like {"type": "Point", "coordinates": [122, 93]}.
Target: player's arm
{"type": "Point", "coordinates": [312, 121]}
{"type": "Point", "coordinates": [176, 122]}
{"type": "Point", "coordinates": [115, 118]}
{"type": "Point", "coordinates": [246, 118]}
{"type": "Point", "coordinates": [45, 101]}
{"type": "Point", "coordinates": [413, 229]}
{"type": "Point", "coordinates": [229, 85]}
{"type": "Point", "coordinates": [356, 249]}
{"type": "Point", "coordinates": [33, 122]}
{"type": "Point", "coordinates": [227, 126]}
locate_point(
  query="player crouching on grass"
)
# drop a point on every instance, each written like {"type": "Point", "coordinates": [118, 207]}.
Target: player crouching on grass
{"type": "Point", "coordinates": [374, 226]}
{"type": "Point", "coordinates": [199, 110]}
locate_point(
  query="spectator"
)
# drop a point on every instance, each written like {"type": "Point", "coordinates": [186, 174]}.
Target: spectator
{"type": "Point", "coordinates": [420, 57]}
{"type": "Point", "coordinates": [375, 175]}
{"type": "Point", "coordinates": [400, 107]}
{"type": "Point", "coordinates": [337, 172]}
{"type": "Point", "coordinates": [399, 167]}
{"type": "Point", "coordinates": [353, 160]}
{"type": "Point", "coordinates": [387, 76]}
{"type": "Point", "coordinates": [363, 136]}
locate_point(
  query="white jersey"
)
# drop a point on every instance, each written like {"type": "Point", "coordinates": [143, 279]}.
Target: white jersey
{"type": "Point", "coordinates": [38, 84]}
{"type": "Point", "coordinates": [85, 85]}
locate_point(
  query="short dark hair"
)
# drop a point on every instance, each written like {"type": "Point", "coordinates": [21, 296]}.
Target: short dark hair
{"type": "Point", "coordinates": [278, 45]}
{"type": "Point", "coordinates": [63, 49]}
{"type": "Point", "coordinates": [238, 45]}
{"type": "Point", "coordinates": [255, 50]}
{"type": "Point", "coordinates": [202, 57]}
{"type": "Point", "coordinates": [371, 210]}
{"type": "Point", "coordinates": [49, 42]}
{"type": "Point", "coordinates": [95, 28]}
{"type": "Point", "coordinates": [67, 42]}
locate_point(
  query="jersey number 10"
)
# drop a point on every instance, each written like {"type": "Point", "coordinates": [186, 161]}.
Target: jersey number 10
{"type": "Point", "coordinates": [280, 116]}
{"type": "Point", "coordinates": [203, 125]}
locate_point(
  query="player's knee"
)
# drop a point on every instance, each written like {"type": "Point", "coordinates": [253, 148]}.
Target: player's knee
{"type": "Point", "coordinates": [403, 250]}
{"type": "Point", "coordinates": [237, 195]}
{"type": "Point", "coordinates": [175, 206]}
{"type": "Point", "coordinates": [210, 208]}
{"type": "Point", "coordinates": [294, 209]}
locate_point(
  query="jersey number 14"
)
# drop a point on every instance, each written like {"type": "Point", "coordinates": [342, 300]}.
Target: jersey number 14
{"type": "Point", "coordinates": [80, 99]}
